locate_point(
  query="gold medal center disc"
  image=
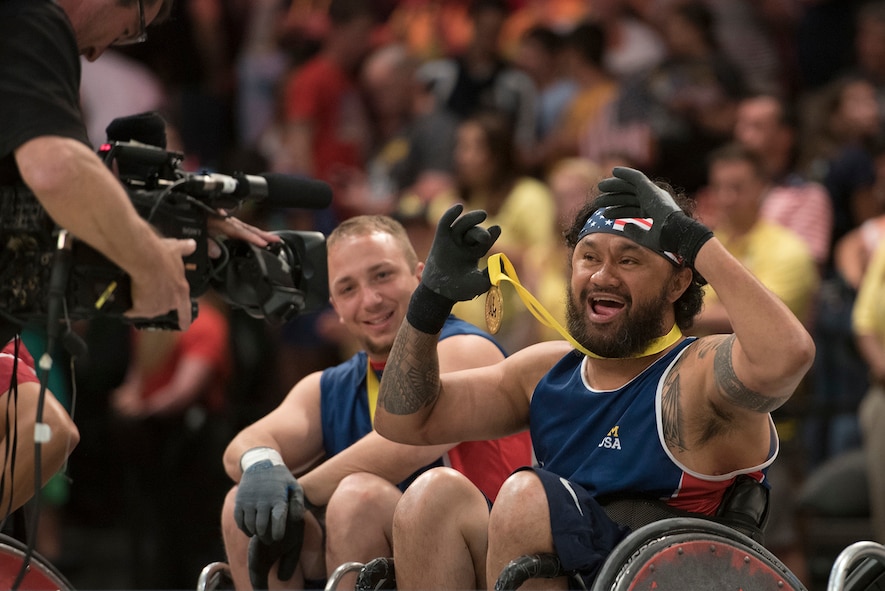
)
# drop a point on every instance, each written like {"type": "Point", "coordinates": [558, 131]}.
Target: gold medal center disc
{"type": "Point", "coordinates": [494, 309]}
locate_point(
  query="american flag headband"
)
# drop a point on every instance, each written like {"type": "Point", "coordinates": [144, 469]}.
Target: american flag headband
{"type": "Point", "coordinates": [636, 229]}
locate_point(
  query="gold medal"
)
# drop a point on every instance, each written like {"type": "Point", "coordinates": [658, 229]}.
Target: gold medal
{"type": "Point", "coordinates": [494, 309]}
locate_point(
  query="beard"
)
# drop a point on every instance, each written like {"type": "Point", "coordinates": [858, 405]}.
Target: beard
{"type": "Point", "coordinates": [627, 337]}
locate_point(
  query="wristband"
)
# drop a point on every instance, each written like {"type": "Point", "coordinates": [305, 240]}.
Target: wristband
{"type": "Point", "coordinates": [428, 310]}
{"type": "Point", "coordinates": [259, 454]}
{"type": "Point", "coordinates": [687, 235]}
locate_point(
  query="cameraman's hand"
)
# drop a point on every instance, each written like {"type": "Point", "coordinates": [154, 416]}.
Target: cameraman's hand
{"type": "Point", "coordinates": [159, 285]}
{"type": "Point", "coordinates": [268, 500]}
{"type": "Point", "coordinates": [637, 196]}
{"type": "Point", "coordinates": [231, 227]}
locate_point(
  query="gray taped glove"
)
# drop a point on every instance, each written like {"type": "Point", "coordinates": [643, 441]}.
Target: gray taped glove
{"type": "Point", "coordinates": [268, 499]}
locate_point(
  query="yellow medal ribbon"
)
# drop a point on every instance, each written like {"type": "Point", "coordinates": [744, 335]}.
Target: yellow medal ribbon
{"type": "Point", "coordinates": [501, 269]}
{"type": "Point", "coordinates": [372, 386]}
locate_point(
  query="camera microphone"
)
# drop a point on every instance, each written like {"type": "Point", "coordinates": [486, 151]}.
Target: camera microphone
{"type": "Point", "coordinates": [275, 189]}
{"type": "Point", "coordinates": [145, 128]}
{"type": "Point", "coordinates": [142, 138]}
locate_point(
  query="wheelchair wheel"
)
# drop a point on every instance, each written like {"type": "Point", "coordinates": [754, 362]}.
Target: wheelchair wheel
{"type": "Point", "coordinates": [529, 566]}
{"type": "Point", "coordinates": [215, 576]}
{"type": "Point", "coordinates": [376, 575]}
{"type": "Point", "coordinates": [336, 576]}
{"type": "Point", "coordinates": [859, 567]}
{"type": "Point", "coordinates": [41, 575]}
{"type": "Point", "coordinates": [692, 554]}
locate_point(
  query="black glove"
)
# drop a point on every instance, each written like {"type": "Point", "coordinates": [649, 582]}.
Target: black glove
{"type": "Point", "coordinates": [268, 500]}
{"type": "Point", "coordinates": [287, 552]}
{"type": "Point", "coordinates": [636, 196]}
{"type": "Point", "coordinates": [450, 273]}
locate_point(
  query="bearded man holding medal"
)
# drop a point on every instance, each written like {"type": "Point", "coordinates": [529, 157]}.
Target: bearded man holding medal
{"type": "Point", "coordinates": [624, 406]}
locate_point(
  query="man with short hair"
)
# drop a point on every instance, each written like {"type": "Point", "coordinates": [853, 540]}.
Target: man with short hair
{"type": "Point", "coordinates": [776, 255]}
{"type": "Point", "coordinates": [44, 149]}
{"type": "Point", "coordinates": [340, 507]}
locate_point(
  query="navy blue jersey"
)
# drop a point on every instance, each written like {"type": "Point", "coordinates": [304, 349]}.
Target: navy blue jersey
{"type": "Point", "coordinates": [344, 399]}
{"type": "Point", "coordinates": [612, 441]}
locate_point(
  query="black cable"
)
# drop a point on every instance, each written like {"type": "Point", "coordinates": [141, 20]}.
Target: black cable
{"type": "Point", "coordinates": [56, 312]}
{"type": "Point", "coordinates": [162, 197]}
{"type": "Point", "coordinates": [38, 473]}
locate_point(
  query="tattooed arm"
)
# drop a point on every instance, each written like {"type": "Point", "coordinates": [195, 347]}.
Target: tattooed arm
{"type": "Point", "coordinates": [761, 364]}
{"type": "Point", "coordinates": [411, 376]}
{"type": "Point", "coordinates": [420, 406]}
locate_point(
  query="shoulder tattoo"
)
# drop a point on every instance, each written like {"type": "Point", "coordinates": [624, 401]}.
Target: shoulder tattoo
{"type": "Point", "coordinates": [732, 388]}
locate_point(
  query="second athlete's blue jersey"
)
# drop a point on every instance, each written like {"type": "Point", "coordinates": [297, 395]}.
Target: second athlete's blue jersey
{"type": "Point", "coordinates": [344, 400]}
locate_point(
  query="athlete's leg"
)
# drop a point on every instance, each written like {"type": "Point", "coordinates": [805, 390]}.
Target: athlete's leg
{"type": "Point", "coordinates": [359, 522]}
{"type": "Point", "coordinates": [520, 524]}
{"type": "Point", "coordinates": [236, 545]}
{"type": "Point", "coordinates": [440, 533]}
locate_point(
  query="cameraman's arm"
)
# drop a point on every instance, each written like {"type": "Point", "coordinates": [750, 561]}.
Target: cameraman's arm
{"type": "Point", "coordinates": [85, 198]}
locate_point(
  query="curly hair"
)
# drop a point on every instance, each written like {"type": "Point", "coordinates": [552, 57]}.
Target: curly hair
{"type": "Point", "coordinates": [689, 304]}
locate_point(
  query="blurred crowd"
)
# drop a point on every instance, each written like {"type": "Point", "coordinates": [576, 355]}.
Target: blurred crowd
{"type": "Point", "coordinates": [768, 113]}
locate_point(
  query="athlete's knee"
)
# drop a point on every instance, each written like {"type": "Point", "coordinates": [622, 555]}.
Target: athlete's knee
{"type": "Point", "coordinates": [521, 494]}
{"type": "Point", "coordinates": [227, 511]}
{"type": "Point", "coordinates": [361, 497]}
{"type": "Point", "coordinates": [361, 490]}
{"type": "Point", "coordinates": [437, 492]}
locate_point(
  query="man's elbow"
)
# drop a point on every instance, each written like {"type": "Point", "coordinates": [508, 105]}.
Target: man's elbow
{"type": "Point", "coordinates": [390, 428]}
{"type": "Point", "coordinates": [802, 352]}
{"type": "Point", "coordinates": [49, 164]}
{"type": "Point", "coordinates": [794, 361]}
{"type": "Point", "coordinates": [383, 426]}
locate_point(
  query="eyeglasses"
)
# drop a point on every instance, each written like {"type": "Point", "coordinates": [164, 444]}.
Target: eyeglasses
{"type": "Point", "coordinates": [141, 36]}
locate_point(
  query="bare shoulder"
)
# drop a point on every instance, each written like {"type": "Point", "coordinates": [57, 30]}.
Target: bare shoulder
{"type": "Point", "coordinates": [553, 350]}
{"type": "Point", "coordinates": [465, 351]}
{"type": "Point", "coordinates": [530, 364]}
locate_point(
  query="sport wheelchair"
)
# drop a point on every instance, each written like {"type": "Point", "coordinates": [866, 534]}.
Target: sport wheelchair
{"type": "Point", "coordinates": [673, 554]}
{"type": "Point", "coordinates": [667, 550]}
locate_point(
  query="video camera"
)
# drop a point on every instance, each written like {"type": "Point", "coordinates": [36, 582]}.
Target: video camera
{"type": "Point", "coordinates": [40, 261]}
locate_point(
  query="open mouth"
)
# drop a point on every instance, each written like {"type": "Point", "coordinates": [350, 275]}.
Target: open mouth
{"type": "Point", "coordinates": [605, 308]}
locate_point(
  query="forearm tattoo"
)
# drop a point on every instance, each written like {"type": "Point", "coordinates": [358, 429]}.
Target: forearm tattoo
{"type": "Point", "coordinates": [730, 385]}
{"type": "Point", "coordinates": [411, 375]}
